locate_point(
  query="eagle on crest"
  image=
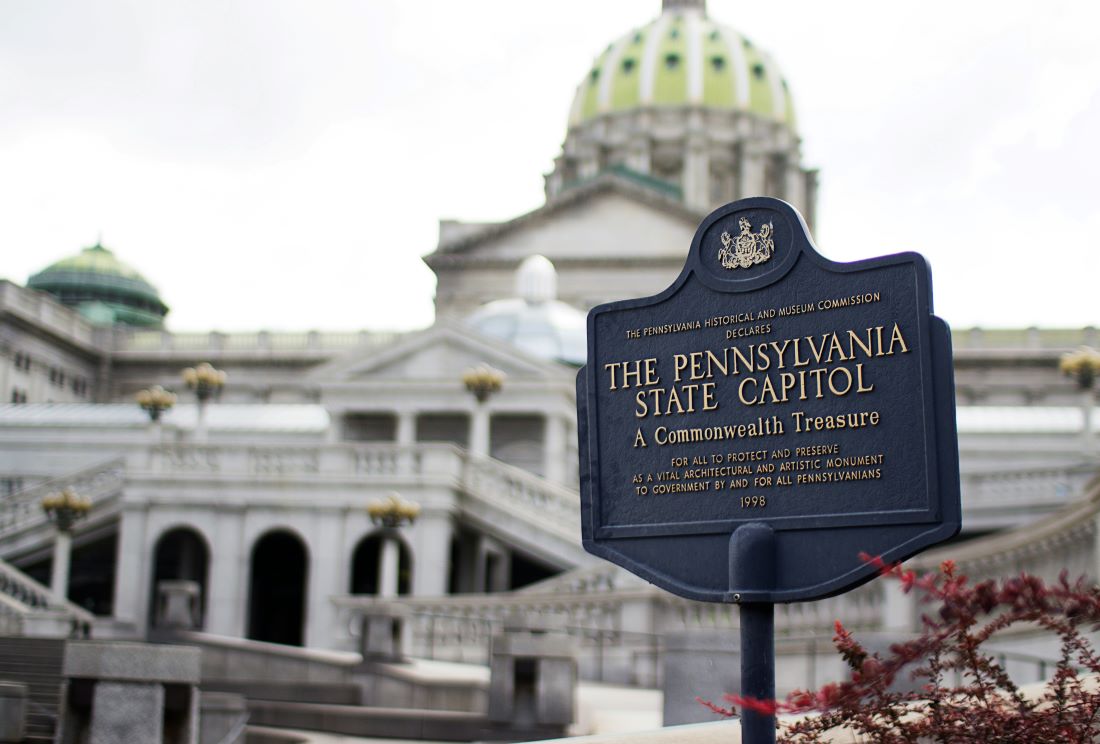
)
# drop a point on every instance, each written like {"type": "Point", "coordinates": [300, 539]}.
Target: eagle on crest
{"type": "Point", "coordinates": [748, 248]}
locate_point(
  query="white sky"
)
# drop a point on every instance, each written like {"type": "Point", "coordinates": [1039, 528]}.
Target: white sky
{"type": "Point", "coordinates": [282, 165]}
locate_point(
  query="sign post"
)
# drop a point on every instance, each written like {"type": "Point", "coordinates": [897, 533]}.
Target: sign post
{"type": "Point", "coordinates": [748, 433]}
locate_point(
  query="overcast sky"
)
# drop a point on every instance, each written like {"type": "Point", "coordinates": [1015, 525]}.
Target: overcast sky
{"type": "Point", "coordinates": [283, 165]}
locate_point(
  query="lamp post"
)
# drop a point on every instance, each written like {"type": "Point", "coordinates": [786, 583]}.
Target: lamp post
{"type": "Point", "coordinates": [64, 509]}
{"type": "Point", "coordinates": [482, 381]}
{"type": "Point", "coordinates": [390, 514]}
{"type": "Point", "coordinates": [1083, 366]}
{"type": "Point", "coordinates": [207, 382]}
{"type": "Point", "coordinates": [155, 401]}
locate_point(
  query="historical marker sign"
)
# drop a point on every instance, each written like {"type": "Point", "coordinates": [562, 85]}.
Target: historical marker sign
{"type": "Point", "coordinates": [771, 387]}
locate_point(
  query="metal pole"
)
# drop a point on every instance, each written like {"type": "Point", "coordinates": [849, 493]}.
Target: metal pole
{"type": "Point", "coordinates": [752, 569]}
{"type": "Point", "coordinates": [757, 670]}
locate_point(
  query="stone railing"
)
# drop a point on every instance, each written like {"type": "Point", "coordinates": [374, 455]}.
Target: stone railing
{"type": "Point", "coordinates": [40, 309]}
{"type": "Point", "coordinates": [332, 461]}
{"type": "Point", "coordinates": [1064, 540]}
{"type": "Point", "coordinates": [27, 607]}
{"type": "Point", "coordinates": [618, 632]}
{"type": "Point", "coordinates": [1001, 339]}
{"type": "Point", "coordinates": [23, 509]}
{"type": "Point", "coordinates": [215, 342]}
{"type": "Point", "coordinates": [523, 495]}
{"type": "Point", "coordinates": [498, 496]}
{"type": "Point", "coordinates": [1011, 497]}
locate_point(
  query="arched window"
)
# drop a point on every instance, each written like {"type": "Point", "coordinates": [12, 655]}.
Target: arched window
{"type": "Point", "coordinates": [366, 564]}
{"type": "Point", "coordinates": [277, 589]}
{"type": "Point", "coordinates": [180, 555]}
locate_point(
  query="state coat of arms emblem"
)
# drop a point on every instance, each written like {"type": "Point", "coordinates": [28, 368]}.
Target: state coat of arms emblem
{"type": "Point", "coordinates": [748, 248]}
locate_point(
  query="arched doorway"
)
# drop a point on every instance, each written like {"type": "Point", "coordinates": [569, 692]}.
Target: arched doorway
{"type": "Point", "coordinates": [180, 554]}
{"type": "Point", "coordinates": [277, 589]}
{"type": "Point", "coordinates": [366, 562]}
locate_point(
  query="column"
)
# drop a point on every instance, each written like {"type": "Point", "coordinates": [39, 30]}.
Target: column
{"type": "Point", "coordinates": [696, 178]}
{"type": "Point", "coordinates": [431, 538]}
{"type": "Point", "coordinates": [752, 173]}
{"type": "Point", "coordinates": [406, 438]}
{"type": "Point", "coordinates": [554, 449]}
{"type": "Point", "coordinates": [59, 576]}
{"type": "Point", "coordinates": [324, 578]}
{"type": "Point", "coordinates": [200, 424]}
{"type": "Point", "coordinates": [388, 566]}
{"type": "Point", "coordinates": [335, 424]}
{"type": "Point", "coordinates": [1088, 404]}
{"type": "Point", "coordinates": [637, 156]}
{"type": "Point", "coordinates": [131, 581]}
{"type": "Point", "coordinates": [227, 588]}
{"type": "Point", "coordinates": [406, 427]}
{"type": "Point", "coordinates": [1096, 550]}
{"type": "Point", "coordinates": [479, 430]}
{"type": "Point", "coordinates": [899, 609]}
{"type": "Point", "coordinates": [588, 162]}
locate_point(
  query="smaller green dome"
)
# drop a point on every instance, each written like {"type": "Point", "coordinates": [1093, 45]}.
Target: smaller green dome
{"type": "Point", "coordinates": [103, 289]}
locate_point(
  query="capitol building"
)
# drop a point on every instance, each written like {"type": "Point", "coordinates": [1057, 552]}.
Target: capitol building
{"type": "Point", "coordinates": [250, 513]}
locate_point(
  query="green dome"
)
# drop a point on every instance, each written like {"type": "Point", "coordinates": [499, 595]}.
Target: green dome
{"type": "Point", "coordinates": [102, 288]}
{"type": "Point", "coordinates": [683, 59]}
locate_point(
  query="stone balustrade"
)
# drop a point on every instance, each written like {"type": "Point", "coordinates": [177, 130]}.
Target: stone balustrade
{"type": "Point", "coordinates": [331, 461]}
{"type": "Point", "coordinates": [515, 489]}
{"type": "Point", "coordinates": [29, 608]}
{"type": "Point", "coordinates": [215, 343]}
{"type": "Point", "coordinates": [618, 630]}
{"type": "Point", "coordinates": [997, 499]}
{"type": "Point", "coordinates": [39, 309]}
{"type": "Point", "coordinates": [1020, 339]}
{"type": "Point", "coordinates": [23, 509]}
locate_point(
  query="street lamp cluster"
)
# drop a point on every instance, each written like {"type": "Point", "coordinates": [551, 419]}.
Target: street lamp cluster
{"type": "Point", "coordinates": [393, 512]}
{"type": "Point", "coordinates": [155, 401]}
{"type": "Point", "coordinates": [1082, 365]}
{"type": "Point", "coordinates": [483, 381]}
{"type": "Point", "coordinates": [390, 514]}
{"type": "Point", "coordinates": [205, 380]}
{"type": "Point", "coordinates": [64, 509]}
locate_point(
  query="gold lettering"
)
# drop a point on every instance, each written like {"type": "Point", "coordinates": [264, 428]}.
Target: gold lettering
{"type": "Point", "coordinates": [833, 388]}
{"type": "Point", "coordinates": [896, 338]}
{"type": "Point", "coordinates": [741, 391]}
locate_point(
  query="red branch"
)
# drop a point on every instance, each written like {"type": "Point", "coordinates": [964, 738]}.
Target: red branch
{"type": "Point", "coordinates": [987, 705]}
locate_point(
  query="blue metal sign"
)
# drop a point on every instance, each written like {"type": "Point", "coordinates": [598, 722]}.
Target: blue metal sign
{"type": "Point", "coordinates": [770, 408]}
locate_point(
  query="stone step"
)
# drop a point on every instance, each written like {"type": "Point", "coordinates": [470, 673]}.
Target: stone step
{"type": "Point", "coordinates": [35, 662]}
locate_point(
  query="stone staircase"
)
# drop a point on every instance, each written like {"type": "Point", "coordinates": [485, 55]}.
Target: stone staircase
{"type": "Point", "coordinates": [36, 663]}
{"type": "Point", "coordinates": [24, 525]}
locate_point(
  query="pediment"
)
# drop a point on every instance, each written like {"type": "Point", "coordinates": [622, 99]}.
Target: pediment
{"type": "Point", "coordinates": [611, 220]}
{"type": "Point", "coordinates": [440, 353]}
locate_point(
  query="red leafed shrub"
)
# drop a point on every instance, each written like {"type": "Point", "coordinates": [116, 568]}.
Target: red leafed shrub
{"type": "Point", "coordinates": [964, 695]}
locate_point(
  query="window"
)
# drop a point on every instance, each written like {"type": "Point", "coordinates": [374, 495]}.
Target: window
{"type": "Point", "coordinates": [18, 395]}
{"type": "Point", "coordinates": [672, 61]}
